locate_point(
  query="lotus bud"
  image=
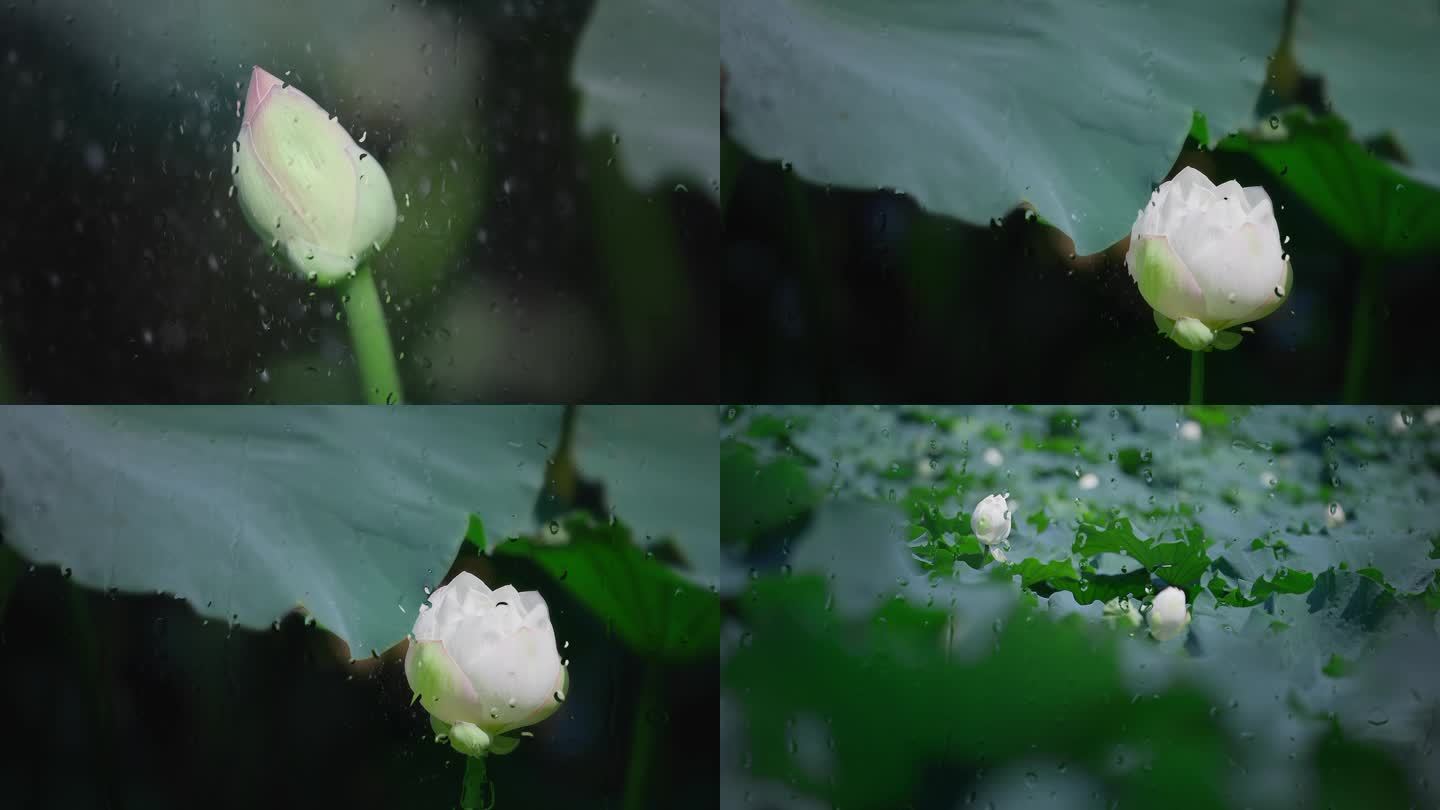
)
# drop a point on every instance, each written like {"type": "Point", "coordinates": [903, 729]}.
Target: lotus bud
{"type": "Point", "coordinates": [1207, 258]}
{"type": "Point", "coordinates": [1168, 616]}
{"type": "Point", "coordinates": [991, 523]}
{"type": "Point", "coordinates": [318, 199]}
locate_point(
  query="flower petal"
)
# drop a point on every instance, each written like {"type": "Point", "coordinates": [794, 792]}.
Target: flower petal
{"type": "Point", "coordinates": [1237, 273]}
{"type": "Point", "coordinates": [513, 675]}
{"type": "Point", "coordinates": [1165, 281]}
{"type": "Point", "coordinates": [1272, 303]}
{"type": "Point", "coordinates": [261, 84]}
{"type": "Point", "coordinates": [305, 152]}
{"type": "Point", "coordinates": [439, 682]}
{"type": "Point", "coordinates": [1190, 179]}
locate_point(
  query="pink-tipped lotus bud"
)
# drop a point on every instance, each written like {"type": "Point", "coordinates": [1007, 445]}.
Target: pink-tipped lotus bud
{"type": "Point", "coordinates": [306, 187]}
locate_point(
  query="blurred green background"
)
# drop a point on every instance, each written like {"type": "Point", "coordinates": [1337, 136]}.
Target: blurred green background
{"type": "Point", "coordinates": [541, 255]}
{"type": "Point", "coordinates": [874, 657]}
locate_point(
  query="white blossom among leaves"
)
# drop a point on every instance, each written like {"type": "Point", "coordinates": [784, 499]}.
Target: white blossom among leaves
{"type": "Point", "coordinates": [1168, 615]}
{"type": "Point", "coordinates": [991, 523]}
{"type": "Point", "coordinates": [1207, 258]}
{"type": "Point", "coordinates": [484, 662]}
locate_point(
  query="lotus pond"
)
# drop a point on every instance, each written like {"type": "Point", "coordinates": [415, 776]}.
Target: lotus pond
{"type": "Point", "coordinates": [877, 653]}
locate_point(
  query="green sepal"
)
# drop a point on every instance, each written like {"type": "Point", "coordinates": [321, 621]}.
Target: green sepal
{"type": "Point", "coordinates": [1225, 341]}
{"type": "Point", "coordinates": [469, 739]}
{"type": "Point", "coordinates": [1192, 335]}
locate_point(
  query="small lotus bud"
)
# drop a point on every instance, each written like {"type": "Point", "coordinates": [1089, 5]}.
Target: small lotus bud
{"type": "Point", "coordinates": [991, 523]}
{"type": "Point", "coordinates": [1168, 616]}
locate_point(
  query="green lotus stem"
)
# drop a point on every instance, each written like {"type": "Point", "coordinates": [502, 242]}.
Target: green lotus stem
{"type": "Point", "coordinates": [1362, 334]}
{"type": "Point", "coordinates": [373, 352]}
{"type": "Point", "coordinates": [478, 792]}
{"type": "Point", "coordinates": [642, 739]}
{"type": "Point", "coordinates": [1197, 378]}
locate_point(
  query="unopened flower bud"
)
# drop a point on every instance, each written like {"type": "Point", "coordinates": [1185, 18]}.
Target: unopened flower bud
{"type": "Point", "coordinates": [305, 186]}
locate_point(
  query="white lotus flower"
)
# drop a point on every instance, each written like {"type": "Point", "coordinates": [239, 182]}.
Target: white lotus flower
{"type": "Point", "coordinates": [991, 523]}
{"type": "Point", "coordinates": [1168, 616]}
{"type": "Point", "coordinates": [484, 662]}
{"type": "Point", "coordinates": [1207, 258]}
{"type": "Point", "coordinates": [1191, 431]}
{"type": "Point", "coordinates": [1089, 481]}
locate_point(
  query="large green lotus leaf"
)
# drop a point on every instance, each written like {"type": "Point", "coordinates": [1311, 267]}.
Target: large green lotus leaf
{"type": "Point", "coordinates": [1379, 64]}
{"type": "Point", "coordinates": [1368, 201]}
{"type": "Point", "coordinates": [249, 512]}
{"type": "Point", "coordinates": [661, 469]}
{"type": "Point", "coordinates": [647, 74]}
{"type": "Point", "coordinates": [973, 108]}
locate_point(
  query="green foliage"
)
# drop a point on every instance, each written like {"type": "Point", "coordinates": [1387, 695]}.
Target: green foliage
{"type": "Point", "coordinates": [1361, 776]}
{"type": "Point", "coordinates": [651, 608]}
{"type": "Point", "coordinates": [1376, 62]}
{"type": "Point", "coordinates": [876, 658]}
{"type": "Point", "coordinates": [1179, 563]}
{"type": "Point", "coordinates": [891, 693]}
{"type": "Point", "coordinates": [658, 466]}
{"type": "Point", "coordinates": [1285, 581]}
{"type": "Point", "coordinates": [1372, 205]}
{"type": "Point", "coordinates": [758, 498]}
